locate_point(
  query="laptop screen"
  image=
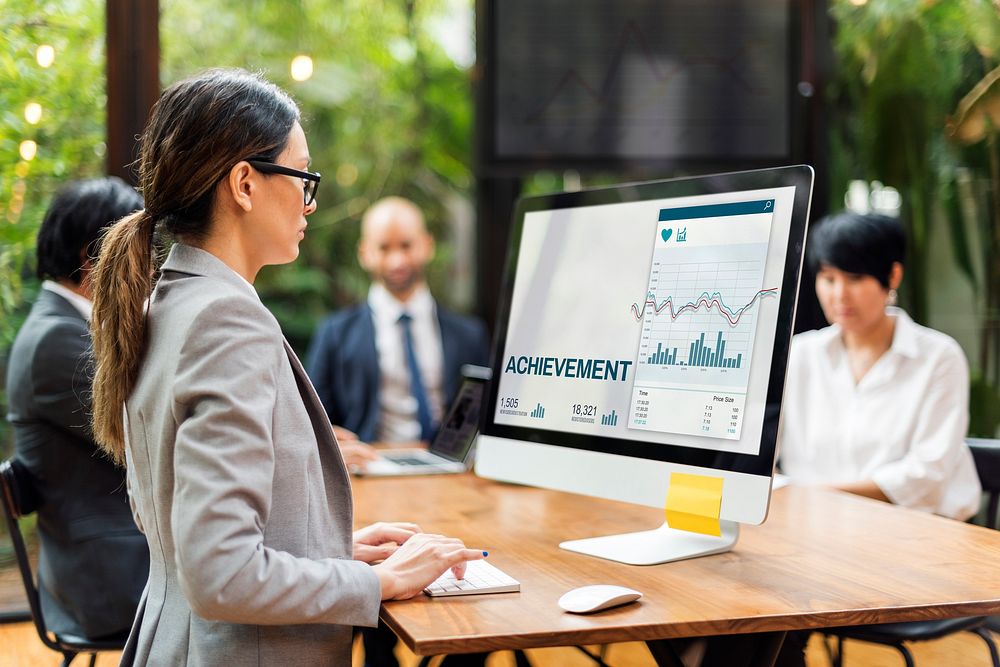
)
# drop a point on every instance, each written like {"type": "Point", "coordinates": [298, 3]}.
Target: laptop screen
{"type": "Point", "coordinates": [461, 424]}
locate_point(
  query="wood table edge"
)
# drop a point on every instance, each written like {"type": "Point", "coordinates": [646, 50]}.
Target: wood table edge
{"type": "Point", "coordinates": [649, 632]}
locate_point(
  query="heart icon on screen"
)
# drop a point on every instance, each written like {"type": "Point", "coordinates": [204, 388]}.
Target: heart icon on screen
{"type": "Point", "coordinates": [666, 234]}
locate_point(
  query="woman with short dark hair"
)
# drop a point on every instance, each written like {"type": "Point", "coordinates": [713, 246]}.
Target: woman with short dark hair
{"type": "Point", "coordinates": [235, 473]}
{"type": "Point", "coordinates": [876, 404]}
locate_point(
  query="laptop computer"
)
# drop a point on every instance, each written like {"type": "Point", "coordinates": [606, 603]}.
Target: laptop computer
{"type": "Point", "coordinates": [452, 448]}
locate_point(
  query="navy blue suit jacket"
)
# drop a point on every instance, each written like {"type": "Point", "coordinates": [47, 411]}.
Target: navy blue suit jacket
{"type": "Point", "coordinates": [343, 363]}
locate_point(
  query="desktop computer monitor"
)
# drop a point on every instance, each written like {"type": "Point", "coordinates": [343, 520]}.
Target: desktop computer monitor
{"type": "Point", "coordinates": [642, 337]}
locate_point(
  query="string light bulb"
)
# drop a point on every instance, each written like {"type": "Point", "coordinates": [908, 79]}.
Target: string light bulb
{"type": "Point", "coordinates": [302, 67]}
{"type": "Point", "coordinates": [33, 112]}
{"type": "Point", "coordinates": [45, 55]}
{"type": "Point", "coordinates": [28, 150]}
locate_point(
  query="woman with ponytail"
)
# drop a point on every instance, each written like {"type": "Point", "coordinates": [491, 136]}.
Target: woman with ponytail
{"type": "Point", "coordinates": [234, 472]}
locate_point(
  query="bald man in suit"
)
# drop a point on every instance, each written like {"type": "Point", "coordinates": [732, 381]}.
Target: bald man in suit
{"type": "Point", "coordinates": [386, 369]}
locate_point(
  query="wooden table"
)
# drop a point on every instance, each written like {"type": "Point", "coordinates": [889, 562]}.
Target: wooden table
{"type": "Point", "coordinates": [821, 559]}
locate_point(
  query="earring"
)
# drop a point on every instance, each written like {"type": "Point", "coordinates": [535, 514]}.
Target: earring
{"type": "Point", "coordinates": [892, 298]}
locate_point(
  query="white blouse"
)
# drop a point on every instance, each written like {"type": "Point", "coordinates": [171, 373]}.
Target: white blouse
{"type": "Point", "coordinates": [903, 426]}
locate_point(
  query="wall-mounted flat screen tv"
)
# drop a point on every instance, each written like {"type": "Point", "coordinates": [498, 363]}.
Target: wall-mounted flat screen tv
{"type": "Point", "coordinates": [668, 82]}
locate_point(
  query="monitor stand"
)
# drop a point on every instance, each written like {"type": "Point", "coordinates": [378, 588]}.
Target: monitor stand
{"type": "Point", "coordinates": [662, 545]}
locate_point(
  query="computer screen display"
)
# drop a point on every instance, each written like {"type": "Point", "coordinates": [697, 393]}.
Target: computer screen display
{"type": "Point", "coordinates": [653, 321]}
{"type": "Point", "coordinates": [459, 427]}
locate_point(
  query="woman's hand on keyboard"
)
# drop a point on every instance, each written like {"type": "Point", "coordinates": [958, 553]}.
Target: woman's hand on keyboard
{"type": "Point", "coordinates": [419, 561]}
{"type": "Point", "coordinates": [380, 540]}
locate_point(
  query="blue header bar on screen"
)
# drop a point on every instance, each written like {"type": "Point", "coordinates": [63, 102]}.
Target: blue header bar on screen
{"type": "Point", "coordinates": [717, 210]}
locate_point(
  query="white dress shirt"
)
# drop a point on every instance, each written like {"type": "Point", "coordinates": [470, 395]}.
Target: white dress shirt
{"type": "Point", "coordinates": [81, 303]}
{"type": "Point", "coordinates": [397, 406]}
{"type": "Point", "coordinates": [902, 426]}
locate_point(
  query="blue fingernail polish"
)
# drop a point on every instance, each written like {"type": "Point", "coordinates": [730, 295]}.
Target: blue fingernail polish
{"type": "Point", "coordinates": [486, 553]}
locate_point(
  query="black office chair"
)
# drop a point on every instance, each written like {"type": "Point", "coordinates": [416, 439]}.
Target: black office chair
{"type": "Point", "coordinates": [20, 498]}
{"type": "Point", "coordinates": [986, 454]}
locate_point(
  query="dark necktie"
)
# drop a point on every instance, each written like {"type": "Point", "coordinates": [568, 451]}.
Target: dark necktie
{"type": "Point", "coordinates": [416, 379]}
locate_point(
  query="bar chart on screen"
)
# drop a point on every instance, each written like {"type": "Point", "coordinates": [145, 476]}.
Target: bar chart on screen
{"type": "Point", "coordinates": [697, 336]}
{"type": "Point", "coordinates": [684, 329]}
{"type": "Point", "coordinates": [699, 317]}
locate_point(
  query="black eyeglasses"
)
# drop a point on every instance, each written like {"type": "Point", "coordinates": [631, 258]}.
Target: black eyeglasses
{"type": "Point", "coordinates": [310, 179]}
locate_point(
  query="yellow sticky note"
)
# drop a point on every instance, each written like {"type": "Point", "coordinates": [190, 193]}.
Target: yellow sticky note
{"type": "Point", "coordinates": [694, 502]}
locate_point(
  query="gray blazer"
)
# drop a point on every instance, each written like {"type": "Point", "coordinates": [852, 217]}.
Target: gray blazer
{"type": "Point", "coordinates": [237, 481]}
{"type": "Point", "coordinates": [93, 562]}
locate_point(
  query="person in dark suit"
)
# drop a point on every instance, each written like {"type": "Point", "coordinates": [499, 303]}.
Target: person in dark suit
{"type": "Point", "coordinates": [94, 561]}
{"type": "Point", "coordinates": [386, 369]}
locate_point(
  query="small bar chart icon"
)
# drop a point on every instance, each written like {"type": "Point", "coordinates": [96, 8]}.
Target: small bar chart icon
{"type": "Point", "coordinates": [610, 419]}
{"type": "Point", "coordinates": [538, 412]}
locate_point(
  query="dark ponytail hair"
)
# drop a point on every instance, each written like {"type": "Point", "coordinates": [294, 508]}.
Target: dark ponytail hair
{"type": "Point", "coordinates": [198, 130]}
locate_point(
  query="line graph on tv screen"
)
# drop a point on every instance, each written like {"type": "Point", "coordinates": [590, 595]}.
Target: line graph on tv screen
{"type": "Point", "coordinates": [640, 79]}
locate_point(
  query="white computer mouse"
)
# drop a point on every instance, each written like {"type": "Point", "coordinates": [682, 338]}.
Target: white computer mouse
{"type": "Point", "coordinates": [587, 599]}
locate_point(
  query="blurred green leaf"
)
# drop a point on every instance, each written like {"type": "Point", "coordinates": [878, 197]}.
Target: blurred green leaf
{"type": "Point", "coordinates": [902, 66]}
{"type": "Point", "coordinates": [377, 124]}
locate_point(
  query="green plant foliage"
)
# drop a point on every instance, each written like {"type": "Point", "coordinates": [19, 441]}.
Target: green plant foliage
{"type": "Point", "coordinates": [902, 68]}
{"type": "Point", "coordinates": [386, 112]}
{"type": "Point", "coordinates": [984, 400]}
{"type": "Point", "coordinates": [69, 135]}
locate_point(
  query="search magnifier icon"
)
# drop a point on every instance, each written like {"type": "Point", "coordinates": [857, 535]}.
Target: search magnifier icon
{"type": "Point", "coordinates": [767, 205]}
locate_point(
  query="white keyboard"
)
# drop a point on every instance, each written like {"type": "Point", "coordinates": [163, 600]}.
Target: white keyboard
{"type": "Point", "coordinates": [480, 577]}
